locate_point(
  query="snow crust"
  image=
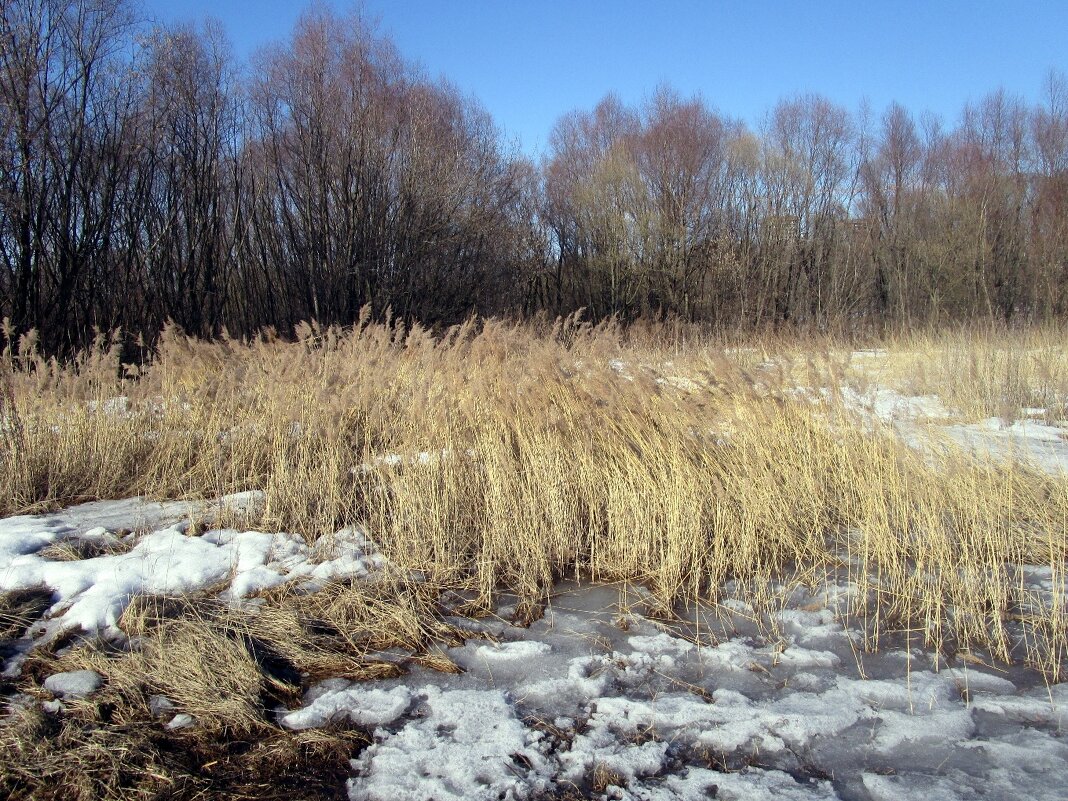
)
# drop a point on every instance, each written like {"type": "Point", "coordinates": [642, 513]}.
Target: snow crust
{"type": "Point", "coordinates": [573, 700]}
{"type": "Point", "coordinates": [462, 744]}
{"type": "Point", "coordinates": [89, 595]}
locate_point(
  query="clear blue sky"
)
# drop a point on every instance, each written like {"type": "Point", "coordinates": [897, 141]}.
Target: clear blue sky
{"type": "Point", "coordinates": [529, 62]}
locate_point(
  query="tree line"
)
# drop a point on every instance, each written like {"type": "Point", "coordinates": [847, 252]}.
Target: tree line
{"type": "Point", "coordinates": [147, 176]}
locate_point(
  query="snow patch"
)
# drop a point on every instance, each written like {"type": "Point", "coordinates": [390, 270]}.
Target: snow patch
{"type": "Point", "coordinates": [462, 744]}
{"type": "Point", "coordinates": [367, 707]}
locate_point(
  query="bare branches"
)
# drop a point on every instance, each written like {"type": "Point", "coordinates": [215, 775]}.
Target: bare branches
{"type": "Point", "coordinates": [145, 178]}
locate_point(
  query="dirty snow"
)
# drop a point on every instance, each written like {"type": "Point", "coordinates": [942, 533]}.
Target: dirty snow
{"type": "Point", "coordinates": [654, 713]}
{"type": "Point", "coordinates": [74, 684]}
{"type": "Point", "coordinates": [592, 698]}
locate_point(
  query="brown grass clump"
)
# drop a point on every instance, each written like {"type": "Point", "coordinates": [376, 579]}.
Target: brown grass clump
{"type": "Point", "coordinates": [93, 752]}
{"type": "Point", "coordinates": [20, 609]}
{"type": "Point", "coordinates": [602, 777]}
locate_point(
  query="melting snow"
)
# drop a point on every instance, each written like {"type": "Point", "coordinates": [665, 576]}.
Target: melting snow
{"type": "Point", "coordinates": [576, 703]}
{"type": "Point", "coordinates": [573, 701]}
{"type": "Point", "coordinates": [90, 595]}
{"type": "Point", "coordinates": [461, 744]}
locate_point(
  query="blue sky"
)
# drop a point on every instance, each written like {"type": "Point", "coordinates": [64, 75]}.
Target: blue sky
{"type": "Point", "coordinates": [529, 62]}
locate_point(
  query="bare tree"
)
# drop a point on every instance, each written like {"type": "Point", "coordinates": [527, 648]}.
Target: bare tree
{"type": "Point", "coordinates": [67, 107]}
{"type": "Point", "coordinates": [369, 184]}
{"type": "Point", "coordinates": [191, 128]}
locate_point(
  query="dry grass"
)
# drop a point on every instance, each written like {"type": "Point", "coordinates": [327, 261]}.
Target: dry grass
{"type": "Point", "coordinates": [498, 456]}
{"type": "Point", "coordinates": [229, 669]}
{"type": "Point", "coordinates": [97, 751]}
{"type": "Point", "coordinates": [19, 609]}
{"type": "Point", "coordinates": [980, 372]}
{"type": "Point", "coordinates": [504, 457]}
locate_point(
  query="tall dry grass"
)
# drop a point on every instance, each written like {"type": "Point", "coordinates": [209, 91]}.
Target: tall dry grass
{"type": "Point", "coordinates": [981, 371]}
{"type": "Point", "coordinates": [504, 456]}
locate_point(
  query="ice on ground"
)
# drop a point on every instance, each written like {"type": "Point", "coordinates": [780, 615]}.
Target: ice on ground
{"type": "Point", "coordinates": [29, 533]}
{"type": "Point", "coordinates": [910, 788]}
{"type": "Point", "coordinates": [461, 744]}
{"type": "Point", "coordinates": [1043, 446]}
{"type": "Point", "coordinates": [650, 711]}
{"type": "Point", "coordinates": [888, 405]}
{"type": "Point", "coordinates": [799, 657]}
{"type": "Point", "coordinates": [748, 784]}
{"type": "Point", "coordinates": [661, 642]}
{"type": "Point", "coordinates": [364, 706]}
{"type": "Point", "coordinates": [74, 684]}
{"type": "Point", "coordinates": [1023, 429]}
{"type": "Point", "coordinates": [585, 679]}
{"type": "Point", "coordinates": [647, 711]}
{"type": "Point", "coordinates": [974, 681]}
{"type": "Point", "coordinates": [1022, 764]}
{"type": "Point", "coordinates": [932, 728]}
{"type": "Point", "coordinates": [1038, 707]}
{"type": "Point", "coordinates": [513, 650]}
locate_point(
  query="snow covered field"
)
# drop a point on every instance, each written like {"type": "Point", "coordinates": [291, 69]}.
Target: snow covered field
{"type": "Point", "coordinates": [924, 421]}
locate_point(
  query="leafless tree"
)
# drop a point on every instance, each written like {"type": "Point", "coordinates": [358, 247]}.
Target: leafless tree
{"type": "Point", "coordinates": [145, 177]}
{"type": "Point", "coordinates": [67, 109]}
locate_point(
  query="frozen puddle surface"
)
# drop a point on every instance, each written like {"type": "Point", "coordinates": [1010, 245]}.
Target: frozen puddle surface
{"type": "Point", "coordinates": [576, 704]}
